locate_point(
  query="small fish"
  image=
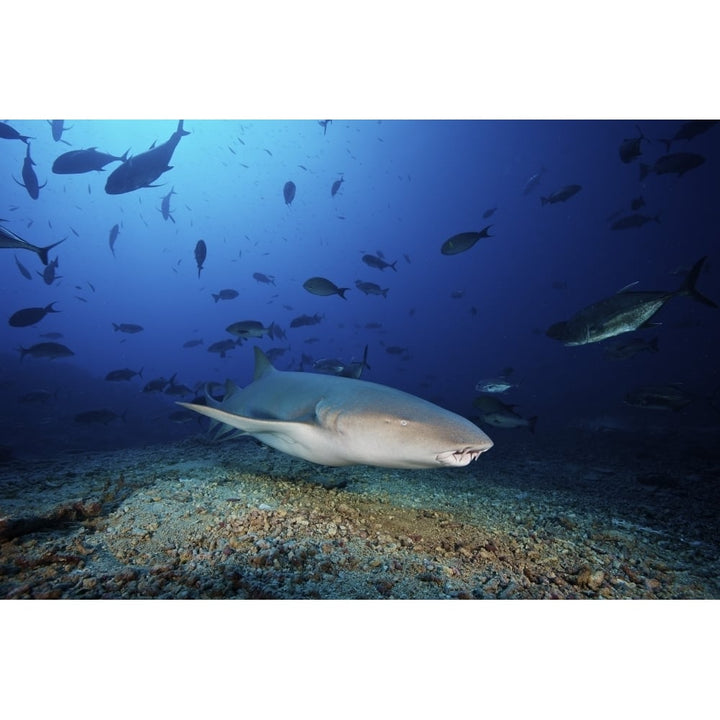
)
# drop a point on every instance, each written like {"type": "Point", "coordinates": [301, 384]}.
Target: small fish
{"type": "Point", "coordinates": [30, 316]}
{"type": "Point", "coordinates": [165, 205]}
{"type": "Point", "coordinates": [323, 286]}
{"type": "Point", "coordinates": [659, 397]}
{"type": "Point", "coordinates": [635, 220]}
{"type": "Point", "coordinates": [192, 343]}
{"type": "Point", "coordinates": [289, 192]}
{"type": "Point", "coordinates": [303, 320]}
{"type": "Point", "coordinates": [689, 130]}
{"type": "Point", "coordinates": [124, 374]}
{"type": "Point", "coordinates": [336, 186]}
{"type": "Point", "coordinates": [25, 272]}
{"type": "Point", "coordinates": [78, 162]}
{"type": "Point", "coordinates": [49, 350]}
{"type": "Point", "coordinates": [10, 133]}
{"type": "Point", "coordinates": [114, 230]}
{"type": "Point", "coordinates": [323, 124]}
{"type": "Point", "coordinates": [630, 147]}
{"type": "Point", "coordinates": [533, 181]}
{"type": "Point", "coordinates": [227, 294]}
{"type": "Point", "coordinates": [200, 254]}
{"type": "Point", "coordinates": [127, 327]}
{"type": "Point", "coordinates": [262, 278]}
{"type": "Point", "coordinates": [30, 181]}
{"type": "Point", "coordinates": [678, 163]}
{"type": "Point", "coordinates": [561, 195]}
{"type": "Point", "coordinates": [222, 347]}
{"type": "Point", "coordinates": [371, 288]}
{"type": "Point", "coordinates": [463, 241]}
{"type": "Point", "coordinates": [376, 261]}
{"type": "Point", "coordinates": [489, 213]}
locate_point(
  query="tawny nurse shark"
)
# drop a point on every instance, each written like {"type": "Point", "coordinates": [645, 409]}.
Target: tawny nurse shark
{"type": "Point", "coordinates": [335, 421]}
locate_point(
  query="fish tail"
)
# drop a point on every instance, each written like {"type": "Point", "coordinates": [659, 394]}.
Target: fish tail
{"type": "Point", "coordinates": [365, 362]}
{"type": "Point", "coordinates": [50, 308]}
{"type": "Point", "coordinates": [392, 265]}
{"type": "Point", "coordinates": [140, 371]}
{"type": "Point", "coordinates": [644, 170]}
{"type": "Point", "coordinates": [217, 297]}
{"type": "Point", "coordinates": [115, 327]}
{"type": "Point", "coordinates": [341, 291]}
{"type": "Point", "coordinates": [688, 286]}
{"type": "Point", "coordinates": [180, 128]}
{"type": "Point", "coordinates": [23, 352]}
{"type": "Point", "coordinates": [43, 251]}
{"type": "Point", "coordinates": [656, 218]}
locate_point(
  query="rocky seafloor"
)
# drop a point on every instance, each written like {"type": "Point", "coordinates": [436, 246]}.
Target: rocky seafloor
{"type": "Point", "coordinates": [580, 515]}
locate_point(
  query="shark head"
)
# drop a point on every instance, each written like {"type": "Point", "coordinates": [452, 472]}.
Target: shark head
{"type": "Point", "coordinates": [399, 430]}
{"type": "Point", "coordinates": [337, 421]}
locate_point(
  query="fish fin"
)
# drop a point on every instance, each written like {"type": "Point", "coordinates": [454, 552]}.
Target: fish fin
{"type": "Point", "coordinates": [263, 366]}
{"type": "Point", "coordinates": [627, 287]}
{"type": "Point", "coordinates": [43, 251]}
{"type": "Point", "coordinates": [688, 286]}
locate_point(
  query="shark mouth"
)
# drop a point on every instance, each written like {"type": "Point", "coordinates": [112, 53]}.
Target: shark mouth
{"type": "Point", "coordinates": [459, 458]}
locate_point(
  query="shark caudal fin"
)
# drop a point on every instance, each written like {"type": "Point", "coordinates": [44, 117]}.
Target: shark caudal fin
{"type": "Point", "coordinates": [688, 286]}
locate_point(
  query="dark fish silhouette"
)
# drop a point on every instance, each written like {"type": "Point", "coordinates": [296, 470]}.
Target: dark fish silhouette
{"type": "Point", "coordinates": [124, 374]}
{"type": "Point", "coordinates": [689, 130]}
{"type": "Point", "coordinates": [463, 241]}
{"type": "Point", "coordinates": [637, 203]}
{"type": "Point", "coordinates": [635, 220]}
{"type": "Point", "coordinates": [140, 171]}
{"type": "Point", "coordinates": [200, 254]}
{"type": "Point", "coordinates": [10, 133]}
{"type": "Point", "coordinates": [377, 262]}
{"type": "Point", "coordinates": [127, 327]}
{"type": "Point", "coordinates": [165, 205]}
{"type": "Point", "coordinates": [561, 195]}
{"type": "Point", "coordinates": [114, 230]}
{"type": "Point", "coordinates": [336, 186]}
{"type": "Point", "coordinates": [49, 350]}
{"type": "Point", "coordinates": [77, 162]}
{"type": "Point", "coordinates": [678, 163]}
{"type": "Point", "coordinates": [30, 316]}
{"type": "Point", "coordinates": [227, 294]}
{"type": "Point", "coordinates": [323, 286]}
{"type": "Point", "coordinates": [30, 181]}
{"type": "Point", "coordinates": [25, 272]}
{"type": "Point", "coordinates": [289, 192]}
{"type": "Point", "coordinates": [57, 127]}
{"type": "Point", "coordinates": [630, 147]}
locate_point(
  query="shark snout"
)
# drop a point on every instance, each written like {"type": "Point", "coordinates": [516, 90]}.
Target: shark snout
{"type": "Point", "coordinates": [462, 456]}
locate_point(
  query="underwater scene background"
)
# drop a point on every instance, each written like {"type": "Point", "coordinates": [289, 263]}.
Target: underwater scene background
{"type": "Point", "coordinates": [554, 282]}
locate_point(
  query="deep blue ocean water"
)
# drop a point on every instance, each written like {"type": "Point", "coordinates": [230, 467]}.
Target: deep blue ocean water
{"type": "Point", "coordinates": [407, 187]}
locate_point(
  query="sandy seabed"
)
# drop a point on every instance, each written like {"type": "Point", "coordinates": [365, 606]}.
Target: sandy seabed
{"type": "Point", "coordinates": [578, 515]}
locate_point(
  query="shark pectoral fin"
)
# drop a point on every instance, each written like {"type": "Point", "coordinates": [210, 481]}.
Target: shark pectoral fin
{"type": "Point", "coordinates": [250, 425]}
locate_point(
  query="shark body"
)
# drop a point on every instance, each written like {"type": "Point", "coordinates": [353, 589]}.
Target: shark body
{"type": "Point", "coordinates": [336, 421]}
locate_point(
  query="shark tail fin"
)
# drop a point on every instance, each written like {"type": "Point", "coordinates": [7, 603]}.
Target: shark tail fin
{"type": "Point", "coordinates": [688, 286]}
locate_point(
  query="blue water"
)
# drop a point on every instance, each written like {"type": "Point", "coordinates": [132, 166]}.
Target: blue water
{"type": "Point", "coordinates": [408, 186]}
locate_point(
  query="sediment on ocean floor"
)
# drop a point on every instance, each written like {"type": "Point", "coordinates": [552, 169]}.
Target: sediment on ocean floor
{"type": "Point", "coordinates": [242, 521]}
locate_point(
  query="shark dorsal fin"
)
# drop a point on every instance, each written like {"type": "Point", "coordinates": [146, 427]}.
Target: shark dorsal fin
{"type": "Point", "coordinates": [263, 366]}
